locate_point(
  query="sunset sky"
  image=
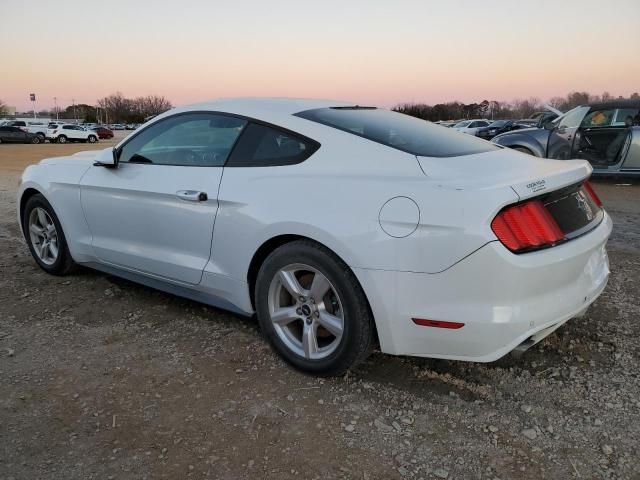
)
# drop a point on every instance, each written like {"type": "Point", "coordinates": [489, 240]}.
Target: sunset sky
{"type": "Point", "coordinates": [375, 52]}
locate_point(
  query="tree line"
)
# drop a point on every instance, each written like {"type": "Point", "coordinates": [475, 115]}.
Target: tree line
{"type": "Point", "coordinates": [518, 109]}
{"type": "Point", "coordinates": [118, 109]}
{"type": "Point", "coordinates": [114, 108]}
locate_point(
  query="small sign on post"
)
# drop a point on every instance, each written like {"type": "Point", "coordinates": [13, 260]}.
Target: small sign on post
{"type": "Point", "coordinates": [32, 96]}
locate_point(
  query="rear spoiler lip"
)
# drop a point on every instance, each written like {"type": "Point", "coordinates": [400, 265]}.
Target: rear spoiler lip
{"type": "Point", "coordinates": [534, 187]}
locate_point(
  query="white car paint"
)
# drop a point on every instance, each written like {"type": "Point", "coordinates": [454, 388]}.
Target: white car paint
{"type": "Point", "coordinates": [414, 230]}
{"type": "Point", "coordinates": [471, 126]}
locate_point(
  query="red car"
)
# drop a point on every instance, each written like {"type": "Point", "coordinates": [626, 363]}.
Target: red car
{"type": "Point", "coordinates": [103, 132]}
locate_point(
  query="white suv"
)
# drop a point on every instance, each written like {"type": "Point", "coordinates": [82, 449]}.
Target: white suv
{"type": "Point", "coordinates": [61, 133]}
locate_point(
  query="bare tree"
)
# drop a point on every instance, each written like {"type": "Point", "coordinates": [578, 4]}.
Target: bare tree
{"type": "Point", "coordinates": [3, 108]}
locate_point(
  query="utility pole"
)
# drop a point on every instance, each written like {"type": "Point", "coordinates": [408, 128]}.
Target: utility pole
{"type": "Point", "coordinates": [75, 116]}
{"type": "Point", "coordinates": [55, 103]}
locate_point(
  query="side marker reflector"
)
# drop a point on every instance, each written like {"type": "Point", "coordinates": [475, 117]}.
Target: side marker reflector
{"type": "Point", "coordinates": [423, 322]}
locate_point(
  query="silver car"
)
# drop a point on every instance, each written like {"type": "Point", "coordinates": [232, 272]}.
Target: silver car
{"type": "Point", "coordinates": [606, 134]}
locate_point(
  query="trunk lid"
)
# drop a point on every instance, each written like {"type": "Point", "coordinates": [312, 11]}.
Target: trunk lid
{"type": "Point", "coordinates": [528, 176]}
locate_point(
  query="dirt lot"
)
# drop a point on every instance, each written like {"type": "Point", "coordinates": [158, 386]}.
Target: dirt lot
{"type": "Point", "coordinates": [102, 378]}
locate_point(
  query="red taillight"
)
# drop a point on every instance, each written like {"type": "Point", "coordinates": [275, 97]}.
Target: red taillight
{"type": "Point", "coordinates": [423, 322]}
{"type": "Point", "coordinates": [525, 226]}
{"type": "Point", "coordinates": [592, 193]}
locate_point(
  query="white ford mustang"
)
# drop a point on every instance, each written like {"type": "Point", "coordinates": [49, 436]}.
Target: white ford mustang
{"type": "Point", "coordinates": [338, 225]}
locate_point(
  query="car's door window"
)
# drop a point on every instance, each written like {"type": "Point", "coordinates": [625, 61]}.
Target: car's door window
{"type": "Point", "coordinates": [573, 117]}
{"type": "Point", "coordinates": [194, 139]}
{"type": "Point", "coordinates": [598, 118]}
{"type": "Point", "coordinates": [625, 116]}
{"type": "Point", "coordinates": [262, 146]}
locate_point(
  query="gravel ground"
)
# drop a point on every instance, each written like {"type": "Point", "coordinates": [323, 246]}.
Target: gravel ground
{"type": "Point", "coordinates": [102, 378]}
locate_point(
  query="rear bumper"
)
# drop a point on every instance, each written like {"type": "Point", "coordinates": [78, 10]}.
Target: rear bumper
{"type": "Point", "coordinates": [503, 299]}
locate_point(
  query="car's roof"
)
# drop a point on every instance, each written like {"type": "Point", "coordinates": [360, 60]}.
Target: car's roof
{"type": "Point", "coordinates": [263, 108]}
{"type": "Point", "coordinates": [626, 103]}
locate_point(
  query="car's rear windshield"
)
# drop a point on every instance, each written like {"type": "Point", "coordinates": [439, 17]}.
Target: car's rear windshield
{"type": "Point", "coordinates": [399, 131]}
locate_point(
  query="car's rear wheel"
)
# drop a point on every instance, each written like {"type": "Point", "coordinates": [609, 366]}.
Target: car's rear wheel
{"type": "Point", "coordinates": [35, 140]}
{"type": "Point", "coordinates": [312, 309]}
{"type": "Point", "coordinates": [45, 237]}
{"type": "Point", "coordinates": [62, 139]}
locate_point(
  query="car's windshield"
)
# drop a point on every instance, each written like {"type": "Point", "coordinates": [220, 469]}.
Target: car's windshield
{"type": "Point", "coordinates": [462, 124]}
{"type": "Point", "coordinates": [499, 123]}
{"type": "Point", "coordinates": [399, 131]}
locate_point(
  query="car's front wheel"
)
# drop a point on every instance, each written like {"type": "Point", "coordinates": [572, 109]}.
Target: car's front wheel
{"type": "Point", "coordinates": [45, 237]}
{"type": "Point", "coordinates": [35, 139]}
{"type": "Point", "coordinates": [312, 309]}
{"type": "Point", "coordinates": [92, 139]}
{"type": "Point", "coordinates": [62, 139]}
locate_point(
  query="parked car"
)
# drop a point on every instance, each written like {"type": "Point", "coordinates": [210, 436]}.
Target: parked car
{"type": "Point", "coordinates": [132, 126]}
{"type": "Point", "coordinates": [471, 126]}
{"type": "Point", "coordinates": [63, 133]}
{"type": "Point", "coordinates": [103, 132]}
{"type": "Point", "coordinates": [606, 134]}
{"type": "Point", "coordinates": [17, 135]}
{"type": "Point", "coordinates": [325, 227]}
{"type": "Point", "coordinates": [35, 127]}
{"type": "Point", "coordinates": [117, 126]}
{"type": "Point", "coordinates": [497, 127]}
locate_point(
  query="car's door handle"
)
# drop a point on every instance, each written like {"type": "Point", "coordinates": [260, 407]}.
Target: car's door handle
{"type": "Point", "coordinates": [192, 195]}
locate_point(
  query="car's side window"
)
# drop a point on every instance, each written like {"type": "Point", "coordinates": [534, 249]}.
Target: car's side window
{"type": "Point", "coordinates": [194, 139]}
{"type": "Point", "coordinates": [598, 118]}
{"type": "Point", "coordinates": [264, 146]}
{"type": "Point", "coordinates": [625, 117]}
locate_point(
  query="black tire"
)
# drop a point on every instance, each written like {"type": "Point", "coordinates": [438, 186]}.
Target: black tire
{"type": "Point", "coordinates": [0, 140]}
{"type": "Point", "coordinates": [92, 139]}
{"type": "Point", "coordinates": [61, 139]}
{"type": "Point", "coordinates": [358, 334]}
{"type": "Point", "coordinates": [35, 140]}
{"type": "Point", "coordinates": [64, 263]}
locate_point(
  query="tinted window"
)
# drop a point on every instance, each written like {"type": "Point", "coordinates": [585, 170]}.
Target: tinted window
{"type": "Point", "coordinates": [598, 118]}
{"type": "Point", "coordinates": [263, 146]}
{"type": "Point", "coordinates": [195, 139]}
{"type": "Point", "coordinates": [625, 116]}
{"type": "Point", "coordinates": [499, 123]}
{"type": "Point", "coordinates": [399, 131]}
{"type": "Point", "coordinates": [573, 118]}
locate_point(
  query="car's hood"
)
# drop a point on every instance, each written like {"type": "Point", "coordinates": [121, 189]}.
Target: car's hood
{"type": "Point", "coordinates": [85, 156]}
{"type": "Point", "coordinates": [527, 175]}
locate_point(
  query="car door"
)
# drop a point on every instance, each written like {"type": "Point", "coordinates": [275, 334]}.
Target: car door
{"type": "Point", "coordinates": [9, 134]}
{"type": "Point", "coordinates": [154, 213]}
{"type": "Point", "coordinates": [560, 143]}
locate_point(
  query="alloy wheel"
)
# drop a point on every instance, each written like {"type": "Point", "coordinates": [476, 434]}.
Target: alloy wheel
{"type": "Point", "coordinates": [43, 235]}
{"type": "Point", "coordinates": [306, 311]}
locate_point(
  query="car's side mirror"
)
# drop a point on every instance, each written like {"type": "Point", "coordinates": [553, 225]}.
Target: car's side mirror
{"type": "Point", "coordinates": [107, 158]}
{"type": "Point", "coordinates": [548, 125]}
